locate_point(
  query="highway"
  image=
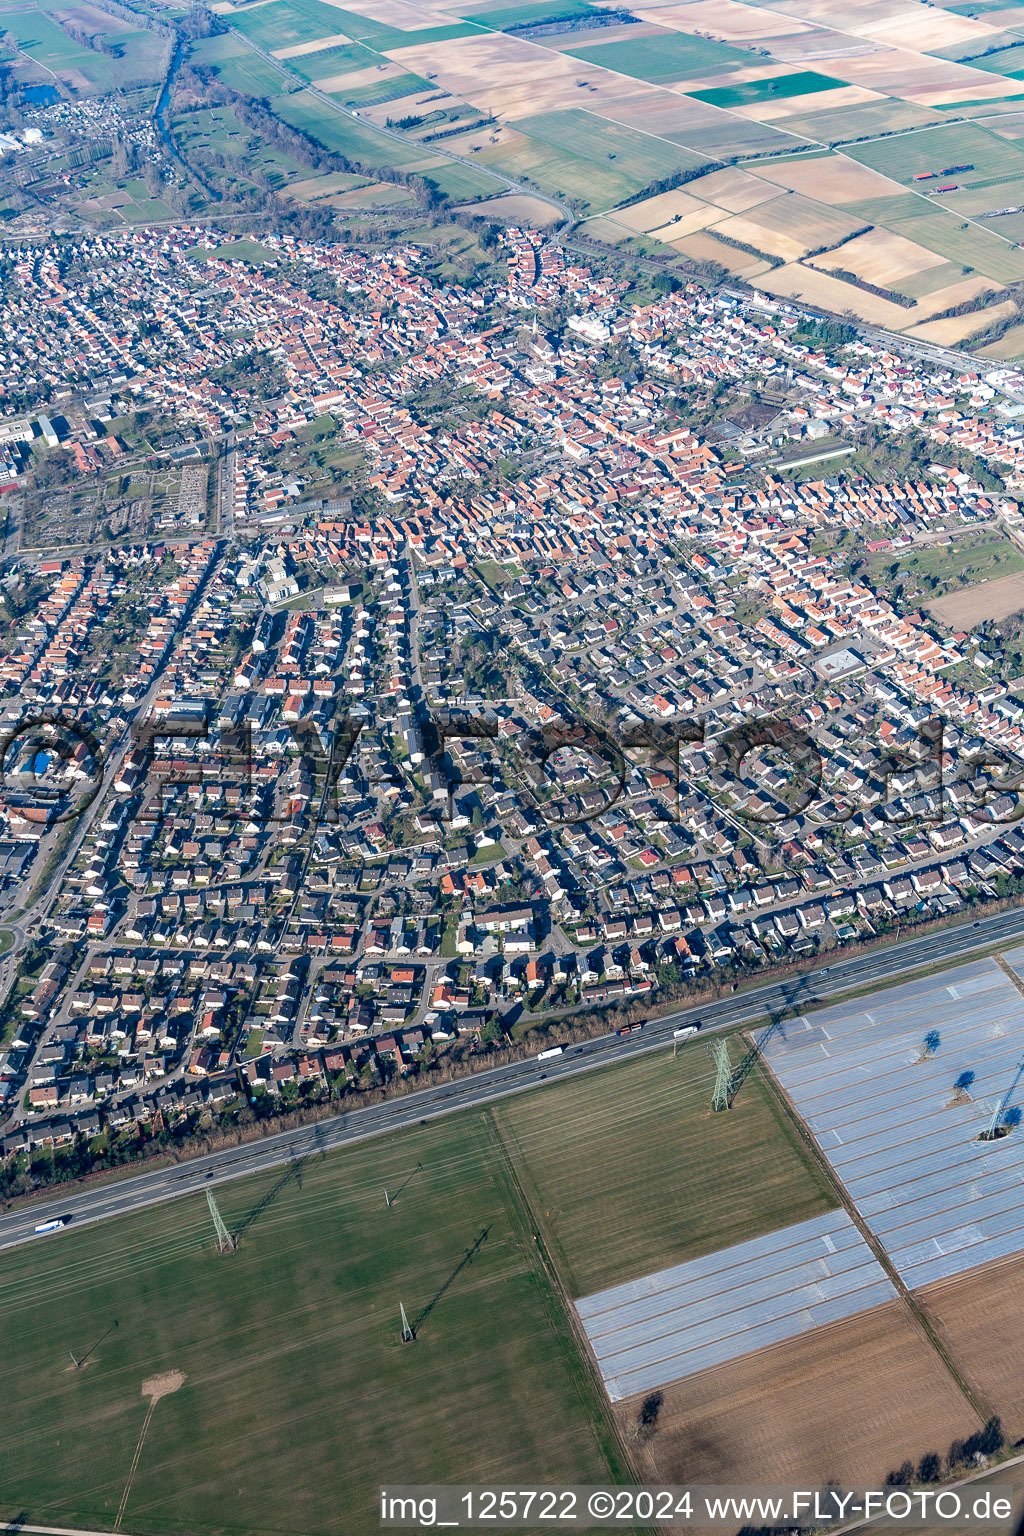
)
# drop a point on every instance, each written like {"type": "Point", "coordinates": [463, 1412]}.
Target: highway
{"type": "Point", "coordinates": [136, 1191]}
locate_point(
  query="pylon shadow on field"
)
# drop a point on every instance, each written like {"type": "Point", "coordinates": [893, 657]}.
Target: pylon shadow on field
{"type": "Point", "coordinates": [404, 1184]}
{"type": "Point", "coordinates": [777, 1019]}
{"type": "Point", "coordinates": [292, 1171]}
{"type": "Point", "coordinates": [467, 1258]}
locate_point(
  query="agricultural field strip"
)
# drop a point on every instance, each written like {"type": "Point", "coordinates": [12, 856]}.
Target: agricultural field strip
{"type": "Point", "coordinates": [1014, 958]}
{"type": "Point", "coordinates": [938, 1199]}
{"type": "Point", "coordinates": [482, 25]}
{"type": "Point", "coordinates": [656, 1329]}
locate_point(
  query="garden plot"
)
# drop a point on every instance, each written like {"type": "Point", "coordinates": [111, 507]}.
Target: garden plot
{"type": "Point", "coordinates": [651, 1331]}
{"type": "Point", "coordinates": [886, 1111]}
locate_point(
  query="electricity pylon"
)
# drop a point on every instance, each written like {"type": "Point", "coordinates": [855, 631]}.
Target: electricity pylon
{"type": "Point", "coordinates": [407, 1333]}
{"type": "Point", "coordinates": [723, 1075]}
{"type": "Point", "coordinates": [225, 1242]}
{"type": "Point", "coordinates": [993, 1125]}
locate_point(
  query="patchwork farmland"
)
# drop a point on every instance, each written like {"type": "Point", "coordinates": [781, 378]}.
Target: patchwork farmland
{"type": "Point", "coordinates": [848, 124]}
{"type": "Point", "coordinates": [882, 154]}
{"type": "Point", "coordinates": [732, 1262]}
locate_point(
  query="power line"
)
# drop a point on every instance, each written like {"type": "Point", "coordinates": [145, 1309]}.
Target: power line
{"type": "Point", "coordinates": [225, 1242]}
{"type": "Point", "coordinates": [720, 1097]}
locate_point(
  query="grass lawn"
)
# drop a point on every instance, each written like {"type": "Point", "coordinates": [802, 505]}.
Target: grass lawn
{"type": "Point", "coordinates": [953, 566]}
{"type": "Point", "coordinates": [239, 250]}
{"type": "Point", "coordinates": [496, 575]}
{"type": "Point", "coordinates": [643, 1175]}
{"type": "Point", "coordinates": [299, 1398]}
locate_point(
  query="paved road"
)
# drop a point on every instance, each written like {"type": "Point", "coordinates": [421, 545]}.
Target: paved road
{"type": "Point", "coordinates": [115, 754]}
{"type": "Point", "coordinates": [139, 1190]}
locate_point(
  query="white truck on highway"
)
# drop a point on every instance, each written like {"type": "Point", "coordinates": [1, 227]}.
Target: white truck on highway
{"type": "Point", "coordinates": [54, 1225]}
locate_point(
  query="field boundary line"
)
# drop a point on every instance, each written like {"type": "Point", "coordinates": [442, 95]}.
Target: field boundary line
{"type": "Point", "coordinates": [1009, 972]}
{"type": "Point", "coordinates": [532, 1230]}
{"type": "Point", "coordinates": [533, 1202]}
{"type": "Point", "coordinates": [976, 1403]}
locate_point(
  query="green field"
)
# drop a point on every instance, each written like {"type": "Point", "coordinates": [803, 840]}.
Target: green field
{"type": "Point", "coordinates": [41, 37]}
{"type": "Point", "coordinates": [560, 171]}
{"type": "Point", "coordinates": [284, 22]}
{"type": "Point", "coordinates": [891, 211]}
{"type": "Point", "coordinates": [919, 285]}
{"type": "Point", "coordinates": [238, 250]}
{"type": "Point", "coordinates": [299, 1398]}
{"type": "Point", "coordinates": [385, 89]}
{"type": "Point", "coordinates": [349, 137]}
{"type": "Point", "coordinates": [804, 83]}
{"type": "Point", "coordinates": [643, 1175]}
{"type": "Point", "coordinates": [971, 247]}
{"type": "Point", "coordinates": [1005, 61]}
{"type": "Point", "coordinates": [240, 68]}
{"type": "Point", "coordinates": [673, 56]}
{"type": "Point", "coordinates": [462, 181]}
{"type": "Point", "coordinates": [951, 567]}
{"type": "Point", "coordinates": [904, 156]}
{"type": "Point", "coordinates": [533, 10]}
{"type": "Point", "coordinates": [338, 60]}
{"type": "Point", "coordinates": [219, 130]}
{"type": "Point", "coordinates": [639, 156]}
{"type": "Point", "coordinates": [846, 124]}
{"type": "Point", "coordinates": [382, 38]}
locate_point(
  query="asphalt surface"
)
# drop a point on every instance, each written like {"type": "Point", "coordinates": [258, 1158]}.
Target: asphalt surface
{"type": "Point", "coordinates": [136, 1191]}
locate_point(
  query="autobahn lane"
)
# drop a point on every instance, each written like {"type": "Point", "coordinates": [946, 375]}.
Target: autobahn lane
{"type": "Point", "coordinates": [136, 1191]}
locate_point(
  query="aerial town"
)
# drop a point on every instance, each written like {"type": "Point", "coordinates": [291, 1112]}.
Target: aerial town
{"type": "Point", "coordinates": [511, 767]}
{"type": "Point", "coordinates": [249, 915]}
